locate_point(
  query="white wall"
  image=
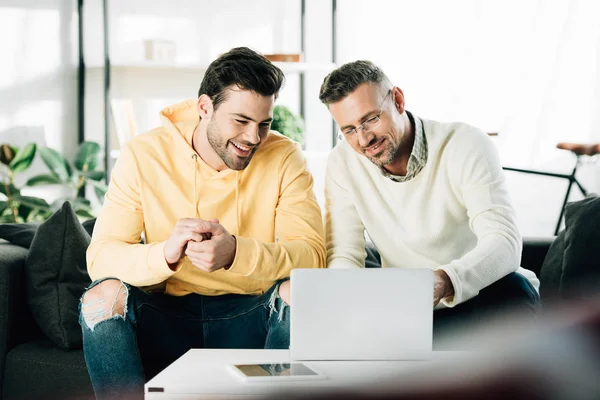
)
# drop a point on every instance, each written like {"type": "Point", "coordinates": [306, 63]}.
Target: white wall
{"type": "Point", "coordinates": [527, 69]}
{"type": "Point", "coordinates": [38, 74]}
{"type": "Point", "coordinates": [201, 30]}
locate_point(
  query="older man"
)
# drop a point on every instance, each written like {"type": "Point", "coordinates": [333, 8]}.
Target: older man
{"type": "Point", "coordinates": [428, 194]}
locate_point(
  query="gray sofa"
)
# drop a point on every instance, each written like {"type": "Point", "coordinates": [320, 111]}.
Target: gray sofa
{"type": "Point", "coordinates": [32, 367]}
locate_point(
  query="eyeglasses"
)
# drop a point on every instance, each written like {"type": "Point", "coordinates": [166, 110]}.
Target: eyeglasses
{"type": "Point", "coordinates": [369, 124]}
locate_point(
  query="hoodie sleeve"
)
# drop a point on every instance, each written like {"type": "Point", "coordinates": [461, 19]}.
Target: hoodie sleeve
{"type": "Point", "coordinates": [298, 229]}
{"type": "Point", "coordinates": [115, 249]}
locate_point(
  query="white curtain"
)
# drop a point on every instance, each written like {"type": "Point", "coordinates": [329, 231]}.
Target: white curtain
{"type": "Point", "coordinates": [527, 69]}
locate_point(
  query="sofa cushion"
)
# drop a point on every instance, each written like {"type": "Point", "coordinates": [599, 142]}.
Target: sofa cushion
{"type": "Point", "coordinates": [581, 263]}
{"type": "Point", "coordinates": [22, 234]}
{"type": "Point", "coordinates": [56, 276]}
{"type": "Point", "coordinates": [552, 268]}
{"type": "Point", "coordinates": [40, 370]}
{"type": "Point", "coordinates": [19, 234]}
{"type": "Point", "coordinates": [89, 225]}
{"type": "Point", "coordinates": [572, 266]}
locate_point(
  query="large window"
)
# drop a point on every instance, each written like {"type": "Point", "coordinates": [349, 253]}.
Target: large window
{"type": "Point", "coordinates": [527, 69]}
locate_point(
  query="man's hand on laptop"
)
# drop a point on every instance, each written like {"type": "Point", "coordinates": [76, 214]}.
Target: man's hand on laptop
{"type": "Point", "coordinates": [442, 286]}
{"type": "Point", "coordinates": [214, 253]}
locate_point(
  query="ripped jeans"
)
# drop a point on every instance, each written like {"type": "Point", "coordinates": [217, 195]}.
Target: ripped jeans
{"type": "Point", "coordinates": [123, 351]}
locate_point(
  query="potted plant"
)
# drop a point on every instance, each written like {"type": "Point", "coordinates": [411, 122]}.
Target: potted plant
{"type": "Point", "coordinates": [288, 124]}
{"type": "Point", "coordinates": [15, 207]}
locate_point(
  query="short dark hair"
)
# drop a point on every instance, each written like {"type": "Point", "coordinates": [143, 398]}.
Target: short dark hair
{"type": "Point", "coordinates": [344, 80]}
{"type": "Point", "coordinates": [244, 68]}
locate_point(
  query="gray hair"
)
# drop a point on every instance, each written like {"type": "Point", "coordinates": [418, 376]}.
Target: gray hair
{"type": "Point", "coordinates": [344, 80]}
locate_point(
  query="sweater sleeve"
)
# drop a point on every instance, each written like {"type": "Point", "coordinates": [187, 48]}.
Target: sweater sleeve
{"type": "Point", "coordinates": [344, 230]}
{"type": "Point", "coordinates": [298, 228]}
{"type": "Point", "coordinates": [115, 249]}
{"type": "Point", "coordinates": [477, 178]}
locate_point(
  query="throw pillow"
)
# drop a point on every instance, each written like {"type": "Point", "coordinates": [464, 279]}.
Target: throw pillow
{"type": "Point", "coordinates": [552, 268]}
{"type": "Point", "coordinates": [581, 264]}
{"type": "Point", "coordinates": [89, 225]}
{"type": "Point", "coordinates": [56, 276]}
{"type": "Point", "coordinates": [22, 234]}
{"type": "Point", "coordinates": [19, 234]}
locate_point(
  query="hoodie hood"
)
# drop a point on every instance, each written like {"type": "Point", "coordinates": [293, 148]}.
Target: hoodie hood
{"type": "Point", "coordinates": [180, 120]}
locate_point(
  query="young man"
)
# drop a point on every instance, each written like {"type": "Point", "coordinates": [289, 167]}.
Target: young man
{"type": "Point", "coordinates": [227, 210]}
{"type": "Point", "coordinates": [429, 195]}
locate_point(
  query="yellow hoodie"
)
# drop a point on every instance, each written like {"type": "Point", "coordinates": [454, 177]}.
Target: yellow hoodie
{"type": "Point", "coordinates": [158, 179]}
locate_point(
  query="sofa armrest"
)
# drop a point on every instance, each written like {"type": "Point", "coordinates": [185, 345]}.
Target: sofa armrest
{"type": "Point", "coordinates": [534, 252]}
{"type": "Point", "coordinates": [12, 298]}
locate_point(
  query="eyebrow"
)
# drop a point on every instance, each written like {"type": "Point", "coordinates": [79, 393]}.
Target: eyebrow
{"type": "Point", "coordinates": [361, 120]}
{"type": "Point", "coordinates": [250, 119]}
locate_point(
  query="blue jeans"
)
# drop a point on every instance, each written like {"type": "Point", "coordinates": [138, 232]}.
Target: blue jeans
{"type": "Point", "coordinates": [121, 353]}
{"type": "Point", "coordinates": [513, 293]}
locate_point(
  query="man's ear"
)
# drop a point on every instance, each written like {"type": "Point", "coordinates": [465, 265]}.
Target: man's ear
{"type": "Point", "coordinates": [398, 97]}
{"type": "Point", "coordinates": [205, 106]}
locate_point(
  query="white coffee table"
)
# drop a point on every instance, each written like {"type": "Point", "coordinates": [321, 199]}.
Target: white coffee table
{"type": "Point", "coordinates": [204, 373]}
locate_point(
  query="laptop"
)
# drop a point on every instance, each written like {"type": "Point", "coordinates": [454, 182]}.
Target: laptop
{"type": "Point", "coordinates": [361, 314]}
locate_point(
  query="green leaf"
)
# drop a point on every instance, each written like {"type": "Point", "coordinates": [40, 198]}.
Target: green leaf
{"type": "Point", "coordinates": [23, 158]}
{"type": "Point", "coordinates": [7, 218]}
{"type": "Point", "coordinates": [85, 214]}
{"type": "Point", "coordinates": [94, 175]}
{"type": "Point", "coordinates": [44, 179]}
{"type": "Point", "coordinates": [7, 153]}
{"type": "Point", "coordinates": [34, 202]}
{"type": "Point", "coordinates": [288, 124]}
{"type": "Point", "coordinates": [14, 192]}
{"type": "Point", "coordinates": [3, 206]}
{"type": "Point", "coordinates": [86, 158]}
{"type": "Point", "coordinates": [100, 191]}
{"type": "Point", "coordinates": [80, 203]}
{"type": "Point", "coordinates": [57, 164]}
{"type": "Point", "coordinates": [75, 203]}
{"type": "Point", "coordinates": [38, 215]}
{"type": "Point", "coordinates": [21, 211]}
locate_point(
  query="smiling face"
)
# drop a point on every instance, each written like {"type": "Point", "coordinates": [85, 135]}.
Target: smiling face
{"type": "Point", "coordinates": [237, 127]}
{"type": "Point", "coordinates": [370, 120]}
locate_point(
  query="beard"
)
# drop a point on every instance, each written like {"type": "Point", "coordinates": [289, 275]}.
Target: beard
{"type": "Point", "coordinates": [388, 153]}
{"type": "Point", "coordinates": [221, 147]}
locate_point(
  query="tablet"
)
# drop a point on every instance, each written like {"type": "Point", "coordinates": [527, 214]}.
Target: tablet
{"type": "Point", "coordinates": [275, 372]}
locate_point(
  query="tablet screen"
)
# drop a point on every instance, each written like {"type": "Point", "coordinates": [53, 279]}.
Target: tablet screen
{"type": "Point", "coordinates": [276, 369]}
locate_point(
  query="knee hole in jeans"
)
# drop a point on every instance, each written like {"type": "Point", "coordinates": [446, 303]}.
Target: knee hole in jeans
{"type": "Point", "coordinates": [106, 300]}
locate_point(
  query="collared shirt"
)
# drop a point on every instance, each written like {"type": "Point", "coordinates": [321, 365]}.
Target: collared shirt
{"type": "Point", "coordinates": [418, 155]}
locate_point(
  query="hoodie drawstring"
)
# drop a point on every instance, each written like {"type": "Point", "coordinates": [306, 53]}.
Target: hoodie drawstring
{"type": "Point", "coordinates": [237, 208]}
{"type": "Point", "coordinates": [237, 194]}
{"type": "Point", "coordinates": [195, 213]}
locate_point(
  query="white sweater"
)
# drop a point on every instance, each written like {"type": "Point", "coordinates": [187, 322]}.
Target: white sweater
{"type": "Point", "coordinates": [455, 215]}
